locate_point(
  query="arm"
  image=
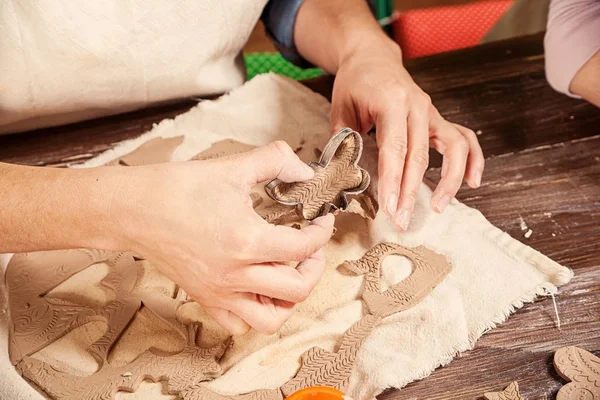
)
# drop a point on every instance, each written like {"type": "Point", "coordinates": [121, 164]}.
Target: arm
{"type": "Point", "coordinates": [55, 208]}
{"type": "Point", "coordinates": [209, 242]}
{"type": "Point", "coordinates": [372, 88]}
{"type": "Point", "coordinates": [572, 45]}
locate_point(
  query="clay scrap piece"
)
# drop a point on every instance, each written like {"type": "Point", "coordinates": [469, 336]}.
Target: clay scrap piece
{"type": "Point", "coordinates": [223, 148]}
{"type": "Point", "coordinates": [582, 369]}
{"type": "Point", "coordinates": [323, 368]}
{"type": "Point", "coordinates": [201, 392]}
{"type": "Point", "coordinates": [337, 175]}
{"type": "Point", "coordinates": [39, 320]}
{"type": "Point", "coordinates": [510, 393]}
{"type": "Point", "coordinates": [154, 151]}
{"type": "Point", "coordinates": [429, 269]}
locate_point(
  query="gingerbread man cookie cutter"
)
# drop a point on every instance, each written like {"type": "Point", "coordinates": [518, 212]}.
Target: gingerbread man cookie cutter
{"type": "Point", "coordinates": [337, 175]}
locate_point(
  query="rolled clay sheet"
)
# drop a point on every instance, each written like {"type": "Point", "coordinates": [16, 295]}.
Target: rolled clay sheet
{"type": "Point", "coordinates": [492, 274]}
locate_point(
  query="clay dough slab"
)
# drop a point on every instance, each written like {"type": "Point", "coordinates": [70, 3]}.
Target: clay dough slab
{"type": "Point", "coordinates": [38, 321]}
{"type": "Point", "coordinates": [582, 369]}
{"type": "Point", "coordinates": [223, 148]}
{"type": "Point", "coordinates": [154, 151]}
{"type": "Point", "coordinates": [429, 269]}
{"type": "Point", "coordinates": [510, 393]}
{"type": "Point", "coordinates": [336, 174]}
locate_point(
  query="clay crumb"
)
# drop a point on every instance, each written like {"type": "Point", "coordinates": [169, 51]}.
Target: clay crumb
{"type": "Point", "coordinates": [571, 117]}
{"type": "Point", "coordinates": [478, 132]}
{"type": "Point", "coordinates": [553, 234]}
{"type": "Point", "coordinates": [527, 234]}
{"type": "Point", "coordinates": [126, 375]}
{"type": "Point", "coordinates": [522, 224]}
{"type": "Point", "coordinates": [547, 214]}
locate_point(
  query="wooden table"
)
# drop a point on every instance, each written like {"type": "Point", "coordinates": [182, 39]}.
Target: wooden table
{"type": "Point", "coordinates": [543, 170]}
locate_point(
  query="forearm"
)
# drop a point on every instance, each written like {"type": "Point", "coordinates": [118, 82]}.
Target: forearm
{"type": "Point", "coordinates": [55, 208]}
{"type": "Point", "coordinates": [326, 32]}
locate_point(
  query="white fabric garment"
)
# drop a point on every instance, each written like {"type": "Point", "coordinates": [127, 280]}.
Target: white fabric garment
{"type": "Point", "coordinates": [492, 274]}
{"type": "Point", "coordinates": [65, 61]}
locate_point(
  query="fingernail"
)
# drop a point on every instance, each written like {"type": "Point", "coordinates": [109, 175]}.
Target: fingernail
{"type": "Point", "coordinates": [392, 204]}
{"type": "Point", "coordinates": [402, 219]}
{"type": "Point", "coordinates": [478, 178]}
{"type": "Point", "coordinates": [443, 203]}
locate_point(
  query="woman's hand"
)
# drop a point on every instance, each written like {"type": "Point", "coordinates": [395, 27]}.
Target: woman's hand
{"type": "Point", "coordinates": [195, 222]}
{"type": "Point", "coordinates": [372, 88]}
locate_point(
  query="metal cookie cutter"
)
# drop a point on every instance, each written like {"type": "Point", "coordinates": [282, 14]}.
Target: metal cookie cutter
{"type": "Point", "coordinates": [340, 201]}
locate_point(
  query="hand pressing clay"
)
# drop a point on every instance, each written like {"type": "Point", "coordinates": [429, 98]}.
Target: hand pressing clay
{"type": "Point", "coordinates": [582, 369]}
{"type": "Point", "coordinates": [337, 174]}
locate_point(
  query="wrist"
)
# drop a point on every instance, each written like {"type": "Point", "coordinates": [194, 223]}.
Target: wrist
{"type": "Point", "coordinates": [366, 45]}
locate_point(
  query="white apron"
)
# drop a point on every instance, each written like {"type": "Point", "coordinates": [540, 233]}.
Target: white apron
{"type": "Point", "coordinates": [70, 60]}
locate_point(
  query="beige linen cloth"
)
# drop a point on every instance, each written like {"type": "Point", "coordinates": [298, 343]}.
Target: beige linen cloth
{"type": "Point", "coordinates": [492, 274]}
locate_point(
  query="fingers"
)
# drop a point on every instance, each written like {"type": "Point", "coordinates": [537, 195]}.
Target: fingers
{"type": "Point", "coordinates": [282, 281]}
{"type": "Point", "coordinates": [283, 243]}
{"type": "Point", "coordinates": [417, 159]}
{"type": "Point", "coordinates": [262, 313]}
{"type": "Point", "coordinates": [228, 320]}
{"type": "Point", "coordinates": [275, 160]}
{"type": "Point", "coordinates": [476, 160]}
{"type": "Point", "coordinates": [456, 151]}
{"type": "Point", "coordinates": [393, 145]}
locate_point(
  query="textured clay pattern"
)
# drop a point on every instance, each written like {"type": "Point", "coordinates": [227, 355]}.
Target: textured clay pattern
{"type": "Point", "coordinates": [429, 269]}
{"type": "Point", "coordinates": [582, 369]}
{"type": "Point", "coordinates": [323, 368]}
{"type": "Point", "coordinates": [37, 321]}
{"type": "Point", "coordinates": [510, 393]}
{"type": "Point", "coordinates": [334, 176]}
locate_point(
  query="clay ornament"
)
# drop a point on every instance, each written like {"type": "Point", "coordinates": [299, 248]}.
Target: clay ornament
{"type": "Point", "coordinates": [510, 393]}
{"type": "Point", "coordinates": [582, 369]}
{"type": "Point", "coordinates": [337, 175]}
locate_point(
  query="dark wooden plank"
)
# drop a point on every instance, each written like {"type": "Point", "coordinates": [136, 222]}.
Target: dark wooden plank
{"type": "Point", "coordinates": [498, 88]}
{"type": "Point", "coordinates": [81, 141]}
{"type": "Point", "coordinates": [556, 191]}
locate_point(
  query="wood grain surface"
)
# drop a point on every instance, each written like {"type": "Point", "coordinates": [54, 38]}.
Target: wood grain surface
{"type": "Point", "coordinates": [542, 170]}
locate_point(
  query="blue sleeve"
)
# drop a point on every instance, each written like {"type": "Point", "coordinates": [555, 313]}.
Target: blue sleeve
{"type": "Point", "coordinates": [279, 17]}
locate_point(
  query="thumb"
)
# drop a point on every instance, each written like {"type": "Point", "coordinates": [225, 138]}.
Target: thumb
{"type": "Point", "coordinates": [276, 160]}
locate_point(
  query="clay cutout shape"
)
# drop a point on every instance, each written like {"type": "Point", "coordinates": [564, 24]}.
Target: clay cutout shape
{"type": "Point", "coordinates": [429, 269]}
{"type": "Point", "coordinates": [337, 175]}
{"type": "Point", "coordinates": [510, 393]}
{"type": "Point", "coordinates": [323, 368]}
{"type": "Point", "coordinates": [223, 148]}
{"type": "Point", "coordinates": [154, 151]}
{"type": "Point", "coordinates": [582, 369]}
{"type": "Point", "coordinates": [37, 321]}
{"type": "Point", "coordinates": [199, 391]}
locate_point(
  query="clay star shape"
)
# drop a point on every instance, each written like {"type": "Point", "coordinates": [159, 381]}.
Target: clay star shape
{"type": "Point", "coordinates": [510, 393]}
{"type": "Point", "coordinates": [337, 175]}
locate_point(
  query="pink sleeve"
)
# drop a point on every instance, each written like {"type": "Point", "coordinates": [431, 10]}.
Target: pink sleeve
{"type": "Point", "coordinates": [572, 38]}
